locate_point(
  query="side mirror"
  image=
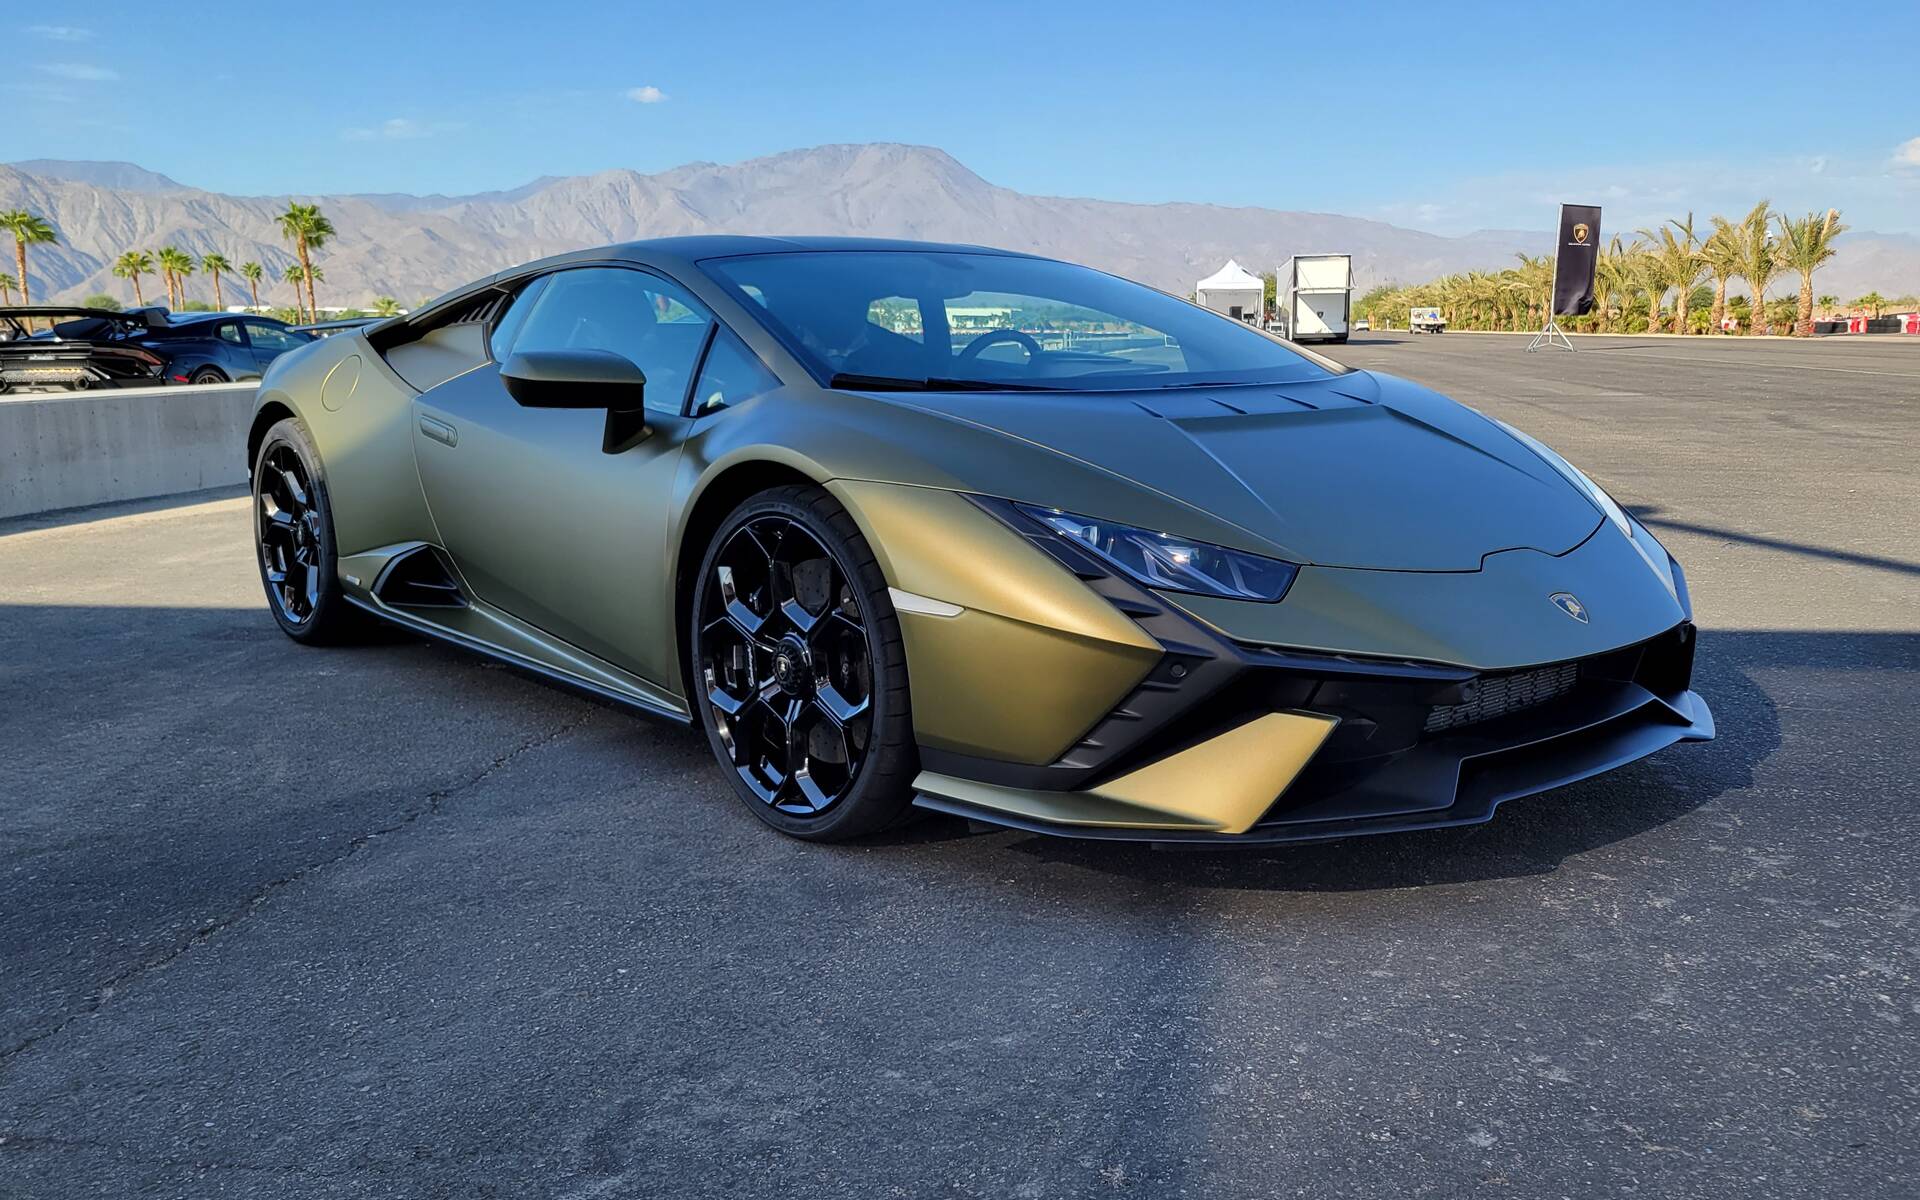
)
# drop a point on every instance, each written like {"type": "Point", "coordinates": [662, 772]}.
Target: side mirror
{"type": "Point", "coordinates": [583, 379]}
{"type": "Point", "coordinates": [575, 379]}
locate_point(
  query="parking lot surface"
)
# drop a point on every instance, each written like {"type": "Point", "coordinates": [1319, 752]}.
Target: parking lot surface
{"type": "Point", "coordinates": [388, 921]}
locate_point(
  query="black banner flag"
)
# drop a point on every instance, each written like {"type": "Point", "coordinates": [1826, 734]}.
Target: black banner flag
{"type": "Point", "coordinates": [1574, 259]}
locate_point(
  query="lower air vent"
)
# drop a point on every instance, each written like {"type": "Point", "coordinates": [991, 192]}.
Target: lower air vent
{"type": "Point", "coordinates": [1498, 695]}
{"type": "Point", "coordinates": [419, 579]}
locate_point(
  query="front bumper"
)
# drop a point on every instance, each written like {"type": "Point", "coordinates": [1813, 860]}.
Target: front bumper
{"type": "Point", "coordinates": [1224, 742]}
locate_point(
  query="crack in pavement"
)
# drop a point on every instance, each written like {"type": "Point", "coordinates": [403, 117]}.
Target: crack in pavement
{"type": "Point", "coordinates": [212, 928]}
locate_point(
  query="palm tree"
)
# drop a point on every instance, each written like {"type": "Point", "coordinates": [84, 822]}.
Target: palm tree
{"type": "Point", "coordinates": [181, 270]}
{"type": "Point", "coordinates": [308, 229]}
{"type": "Point", "coordinates": [1534, 283]}
{"type": "Point", "coordinates": [296, 275]}
{"type": "Point", "coordinates": [1603, 285]}
{"type": "Point", "coordinates": [1872, 302]}
{"type": "Point", "coordinates": [1758, 256]}
{"type": "Point", "coordinates": [7, 284]}
{"type": "Point", "coordinates": [1649, 274]}
{"type": "Point", "coordinates": [386, 306]}
{"type": "Point", "coordinates": [213, 264]}
{"type": "Point", "coordinates": [252, 272]}
{"type": "Point", "coordinates": [1804, 245]}
{"type": "Point", "coordinates": [172, 260]}
{"type": "Point", "coordinates": [1677, 263]}
{"type": "Point", "coordinates": [132, 265]}
{"type": "Point", "coordinates": [27, 230]}
{"type": "Point", "coordinates": [1721, 255]}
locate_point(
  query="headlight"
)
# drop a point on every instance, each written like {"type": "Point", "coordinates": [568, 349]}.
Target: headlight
{"type": "Point", "coordinates": [1173, 564]}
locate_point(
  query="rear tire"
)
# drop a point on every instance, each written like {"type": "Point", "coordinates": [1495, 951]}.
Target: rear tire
{"type": "Point", "coordinates": [293, 541]}
{"type": "Point", "coordinates": [799, 672]}
{"type": "Point", "coordinates": [207, 375]}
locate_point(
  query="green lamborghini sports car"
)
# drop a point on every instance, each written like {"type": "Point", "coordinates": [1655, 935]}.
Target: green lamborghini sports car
{"type": "Point", "coordinates": [908, 524]}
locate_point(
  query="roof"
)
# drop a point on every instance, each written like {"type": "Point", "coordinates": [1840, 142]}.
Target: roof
{"type": "Point", "coordinates": [726, 245]}
{"type": "Point", "coordinates": [1231, 278]}
{"type": "Point", "coordinates": [686, 250]}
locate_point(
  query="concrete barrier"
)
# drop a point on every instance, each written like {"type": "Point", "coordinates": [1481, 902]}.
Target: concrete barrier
{"type": "Point", "coordinates": [67, 449]}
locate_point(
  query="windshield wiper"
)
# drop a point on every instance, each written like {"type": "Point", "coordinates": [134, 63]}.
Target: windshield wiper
{"type": "Point", "coordinates": [933, 383]}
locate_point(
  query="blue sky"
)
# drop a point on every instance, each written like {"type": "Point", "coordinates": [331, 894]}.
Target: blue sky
{"type": "Point", "coordinates": [1447, 117]}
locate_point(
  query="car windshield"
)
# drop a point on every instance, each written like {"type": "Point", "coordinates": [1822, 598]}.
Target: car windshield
{"type": "Point", "coordinates": [990, 322]}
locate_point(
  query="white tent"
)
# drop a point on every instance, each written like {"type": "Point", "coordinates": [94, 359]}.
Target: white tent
{"type": "Point", "coordinates": [1234, 291]}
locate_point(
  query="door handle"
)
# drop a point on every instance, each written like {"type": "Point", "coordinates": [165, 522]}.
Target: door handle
{"type": "Point", "coordinates": [440, 431]}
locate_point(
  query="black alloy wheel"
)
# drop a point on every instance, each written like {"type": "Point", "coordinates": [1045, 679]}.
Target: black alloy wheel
{"type": "Point", "coordinates": [289, 525]}
{"type": "Point", "coordinates": [293, 541]}
{"type": "Point", "coordinates": [799, 670]}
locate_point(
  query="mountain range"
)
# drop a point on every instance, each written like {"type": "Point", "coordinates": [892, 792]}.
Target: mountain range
{"type": "Point", "coordinates": [411, 247]}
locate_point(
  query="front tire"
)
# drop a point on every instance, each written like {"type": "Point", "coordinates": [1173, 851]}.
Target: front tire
{"type": "Point", "coordinates": [293, 541]}
{"type": "Point", "coordinates": [798, 668]}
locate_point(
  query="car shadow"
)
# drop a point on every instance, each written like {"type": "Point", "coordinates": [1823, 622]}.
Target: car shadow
{"type": "Point", "coordinates": [1649, 515]}
{"type": "Point", "coordinates": [1739, 672]}
{"type": "Point", "coordinates": [61, 517]}
{"type": "Point", "coordinates": [1529, 836]}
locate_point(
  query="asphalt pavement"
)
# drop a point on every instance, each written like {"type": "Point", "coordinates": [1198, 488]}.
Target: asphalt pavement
{"type": "Point", "coordinates": [389, 921]}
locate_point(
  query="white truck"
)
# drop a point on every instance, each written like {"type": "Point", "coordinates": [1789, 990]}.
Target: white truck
{"type": "Point", "coordinates": [1425, 320]}
{"type": "Point", "coordinates": [1314, 297]}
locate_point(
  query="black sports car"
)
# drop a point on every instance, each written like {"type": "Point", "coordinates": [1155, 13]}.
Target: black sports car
{"type": "Point", "coordinates": [78, 348]}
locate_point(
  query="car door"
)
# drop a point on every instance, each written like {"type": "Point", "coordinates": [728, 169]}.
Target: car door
{"type": "Point", "coordinates": [227, 347]}
{"type": "Point", "coordinates": [539, 519]}
{"type": "Point", "coordinates": [270, 342]}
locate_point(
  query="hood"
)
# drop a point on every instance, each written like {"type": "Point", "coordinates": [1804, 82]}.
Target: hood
{"type": "Point", "coordinates": [1359, 470]}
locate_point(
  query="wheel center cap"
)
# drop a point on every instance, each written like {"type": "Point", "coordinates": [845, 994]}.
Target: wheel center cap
{"type": "Point", "coordinates": [792, 666]}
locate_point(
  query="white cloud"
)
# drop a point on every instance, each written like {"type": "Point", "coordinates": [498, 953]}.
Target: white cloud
{"type": "Point", "coordinates": [1908, 155]}
{"type": "Point", "coordinates": [84, 72]}
{"type": "Point", "coordinates": [646, 95]}
{"type": "Point", "coordinates": [399, 129]}
{"type": "Point", "coordinates": [61, 33]}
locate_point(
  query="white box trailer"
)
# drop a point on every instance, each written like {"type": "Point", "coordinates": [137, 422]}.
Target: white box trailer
{"type": "Point", "coordinates": [1315, 297]}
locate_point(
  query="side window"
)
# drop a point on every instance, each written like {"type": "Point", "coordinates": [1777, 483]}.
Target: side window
{"type": "Point", "coordinates": [507, 328]}
{"type": "Point", "coordinates": [229, 332]}
{"type": "Point", "coordinates": [732, 374]}
{"type": "Point", "coordinates": [267, 337]}
{"type": "Point", "coordinates": [655, 323]}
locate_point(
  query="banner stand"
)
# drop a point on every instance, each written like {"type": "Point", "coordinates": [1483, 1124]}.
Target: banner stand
{"type": "Point", "coordinates": [1551, 335]}
{"type": "Point", "coordinates": [1575, 259]}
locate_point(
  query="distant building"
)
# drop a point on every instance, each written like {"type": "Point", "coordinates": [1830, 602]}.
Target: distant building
{"type": "Point", "coordinates": [979, 318]}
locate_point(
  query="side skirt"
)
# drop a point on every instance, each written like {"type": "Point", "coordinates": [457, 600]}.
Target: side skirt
{"type": "Point", "coordinates": [635, 697]}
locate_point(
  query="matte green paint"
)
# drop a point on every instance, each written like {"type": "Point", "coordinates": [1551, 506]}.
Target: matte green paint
{"type": "Point", "coordinates": [1426, 531]}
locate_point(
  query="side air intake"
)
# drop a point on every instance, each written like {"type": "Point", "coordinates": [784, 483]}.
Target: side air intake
{"type": "Point", "coordinates": [420, 578]}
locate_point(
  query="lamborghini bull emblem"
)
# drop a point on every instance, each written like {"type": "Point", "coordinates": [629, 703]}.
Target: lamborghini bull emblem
{"type": "Point", "coordinates": [1580, 232]}
{"type": "Point", "coordinates": [1569, 604]}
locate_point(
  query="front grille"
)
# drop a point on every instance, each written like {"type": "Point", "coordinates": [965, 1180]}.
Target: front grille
{"type": "Point", "coordinates": [1497, 695]}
